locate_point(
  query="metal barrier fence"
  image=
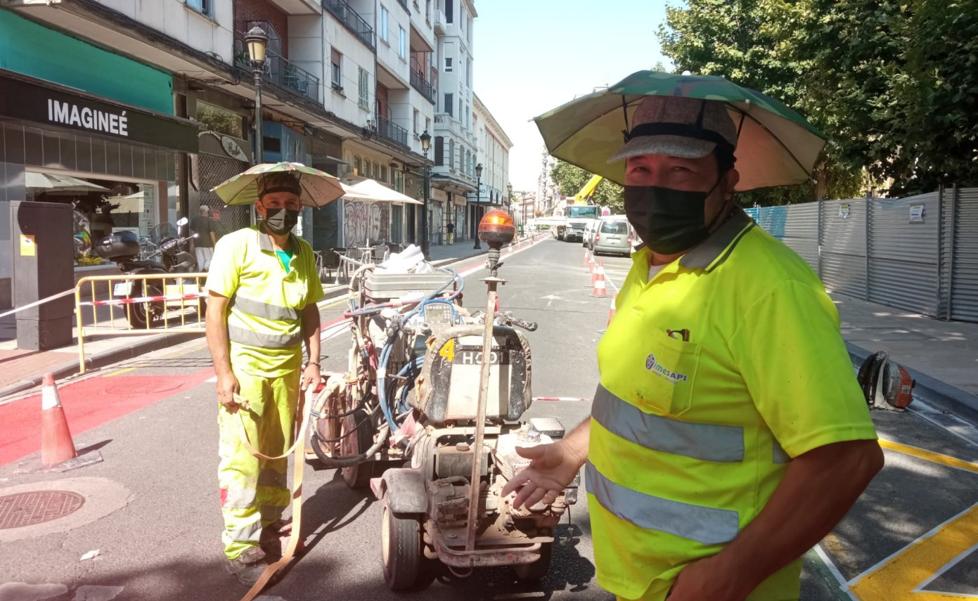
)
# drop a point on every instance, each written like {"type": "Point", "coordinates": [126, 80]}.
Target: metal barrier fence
{"type": "Point", "coordinates": [918, 253]}
{"type": "Point", "coordinates": [135, 304]}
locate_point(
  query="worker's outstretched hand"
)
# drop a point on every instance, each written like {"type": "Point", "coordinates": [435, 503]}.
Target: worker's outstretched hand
{"type": "Point", "coordinates": [552, 468]}
{"type": "Point", "coordinates": [310, 376]}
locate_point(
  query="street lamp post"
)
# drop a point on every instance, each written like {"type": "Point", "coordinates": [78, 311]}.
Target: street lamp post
{"type": "Point", "coordinates": [478, 199]}
{"type": "Point", "coordinates": [257, 41]}
{"type": "Point", "coordinates": [425, 146]}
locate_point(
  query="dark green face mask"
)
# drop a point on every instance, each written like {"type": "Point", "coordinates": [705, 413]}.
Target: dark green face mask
{"type": "Point", "coordinates": [669, 221]}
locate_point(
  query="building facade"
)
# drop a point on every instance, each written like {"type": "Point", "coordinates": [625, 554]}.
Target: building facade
{"type": "Point", "coordinates": [348, 86]}
{"type": "Point", "coordinates": [454, 143]}
{"type": "Point", "coordinates": [493, 154]}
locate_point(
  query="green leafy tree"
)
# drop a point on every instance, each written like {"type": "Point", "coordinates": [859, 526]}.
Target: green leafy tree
{"type": "Point", "coordinates": [570, 179]}
{"type": "Point", "coordinates": [893, 83]}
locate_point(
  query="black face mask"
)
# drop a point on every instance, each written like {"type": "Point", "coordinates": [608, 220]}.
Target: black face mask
{"type": "Point", "coordinates": [669, 221]}
{"type": "Point", "coordinates": [280, 221]}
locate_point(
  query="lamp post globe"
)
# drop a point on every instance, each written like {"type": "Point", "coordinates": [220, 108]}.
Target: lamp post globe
{"type": "Point", "coordinates": [478, 198]}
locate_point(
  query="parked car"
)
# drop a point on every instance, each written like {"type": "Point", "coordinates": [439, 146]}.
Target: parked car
{"type": "Point", "coordinates": [613, 236]}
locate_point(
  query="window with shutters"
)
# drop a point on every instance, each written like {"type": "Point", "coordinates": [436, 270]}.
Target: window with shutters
{"type": "Point", "coordinates": [439, 150]}
{"type": "Point", "coordinates": [336, 69]}
{"type": "Point", "coordinates": [364, 100]}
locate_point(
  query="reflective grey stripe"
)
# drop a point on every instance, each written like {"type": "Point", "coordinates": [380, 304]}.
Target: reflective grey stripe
{"type": "Point", "coordinates": [264, 310]}
{"type": "Point", "coordinates": [703, 524]}
{"type": "Point", "coordinates": [245, 336]}
{"type": "Point", "coordinates": [708, 442]}
{"type": "Point", "coordinates": [246, 533]}
{"type": "Point", "coordinates": [779, 456]}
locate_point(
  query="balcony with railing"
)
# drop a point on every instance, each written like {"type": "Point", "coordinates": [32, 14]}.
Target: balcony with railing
{"type": "Point", "coordinates": [389, 130]}
{"type": "Point", "coordinates": [422, 85]}
{"type": "Point", "coordinates": [279, 72]}
{"type": "Point", "coordinates": [352, 20]}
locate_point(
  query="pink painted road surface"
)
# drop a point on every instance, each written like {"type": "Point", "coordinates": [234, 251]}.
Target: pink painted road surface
{"type": "Point", "coordinates": [87, 404]}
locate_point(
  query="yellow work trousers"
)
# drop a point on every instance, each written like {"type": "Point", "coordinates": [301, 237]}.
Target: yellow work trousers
{"type": "Point", "coordinates": [254, 492]}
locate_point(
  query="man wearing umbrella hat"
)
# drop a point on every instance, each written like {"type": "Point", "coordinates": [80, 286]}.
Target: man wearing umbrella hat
{"type": "Point", "coordinates": [263, 287]}
{"type": "Point", "coordinates": [728, 434]}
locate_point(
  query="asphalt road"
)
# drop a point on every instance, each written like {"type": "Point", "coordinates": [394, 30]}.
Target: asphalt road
{"type": "Point", "coordinates": [162, 540]}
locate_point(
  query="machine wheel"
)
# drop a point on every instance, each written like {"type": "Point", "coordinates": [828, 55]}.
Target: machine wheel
{"type": "Point", "coordinates": [402, 552]}
{"type": "Point", "coordinates": [356, 476]}
{"type": "Point", "coordinates": [532, 572]}
{"type": "Point", "coordinates": [137, 312]}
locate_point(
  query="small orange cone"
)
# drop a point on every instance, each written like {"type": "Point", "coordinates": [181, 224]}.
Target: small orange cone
{"type": "Point", "coordinates": [611, 310]}
{"type": "Point", "coordinates": [598, 287]}
{"type": "Point", "coordinates": [56, 443]}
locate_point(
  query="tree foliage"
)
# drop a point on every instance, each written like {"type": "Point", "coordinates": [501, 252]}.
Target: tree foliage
{"type": "Point", "coordinates": [570, 179]}
{"type": "Point", "coordinates": [892, 83]}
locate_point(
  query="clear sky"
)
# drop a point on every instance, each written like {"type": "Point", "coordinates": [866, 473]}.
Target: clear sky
{"type": "Point", "coordinates": [534, 55]}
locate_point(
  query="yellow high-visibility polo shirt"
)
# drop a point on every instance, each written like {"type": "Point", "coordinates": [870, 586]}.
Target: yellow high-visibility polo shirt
{"type": "Point", "coordinates": [265, 313]}
{"type": "Point", "coordinates": [713, 376]}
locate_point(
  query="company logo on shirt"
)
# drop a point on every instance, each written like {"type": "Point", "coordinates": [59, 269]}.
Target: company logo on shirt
{"type": "Point", "coordinates": [657, 368]}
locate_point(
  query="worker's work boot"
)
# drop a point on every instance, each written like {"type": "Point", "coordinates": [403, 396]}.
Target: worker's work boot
{"type": "Point", "coordinates": [274, 536]}
{"type": "Point", "coordinates": [248, 566]}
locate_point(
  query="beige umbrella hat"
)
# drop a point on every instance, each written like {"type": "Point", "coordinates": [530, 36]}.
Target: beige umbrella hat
{"type": "Point", "coordinates": [317, 188]}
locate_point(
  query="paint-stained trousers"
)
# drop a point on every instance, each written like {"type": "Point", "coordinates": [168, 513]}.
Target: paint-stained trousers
{"type": "Point", "coordinates": [254, 492]}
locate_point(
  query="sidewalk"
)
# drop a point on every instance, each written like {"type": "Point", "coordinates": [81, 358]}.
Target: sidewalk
{"type": "Point", "coordinates": [941, 355]}
{"type": "Point", "coordinates": [23, 369]}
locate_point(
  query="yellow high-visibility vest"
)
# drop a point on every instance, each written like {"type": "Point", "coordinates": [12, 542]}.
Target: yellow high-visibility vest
{"type": "Point", "coordinates": [264, 318]}
{"type": "Point", "coordinates": [713, 376]}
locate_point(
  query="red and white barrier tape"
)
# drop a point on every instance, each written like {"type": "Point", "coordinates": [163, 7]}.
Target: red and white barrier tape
{"type": "Point", "coordinates": [135, 300]}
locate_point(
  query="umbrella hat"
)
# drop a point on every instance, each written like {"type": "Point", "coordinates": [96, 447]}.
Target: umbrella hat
{"type": "Point", "coordinates": [775, 145]}
{"type": "Point", "coordinates": [316, 188]}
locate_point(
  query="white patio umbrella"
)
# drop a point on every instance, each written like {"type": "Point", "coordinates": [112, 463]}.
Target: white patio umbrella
{"type": "Point", "coordinates": [52, 182]}
{"type": "Point", "coordinates": [370, 190]}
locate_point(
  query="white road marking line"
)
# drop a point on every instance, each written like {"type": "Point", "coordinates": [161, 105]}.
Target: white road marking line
{"type": "Point", "coordinates": [945, 568]}
{"type": "Point", "coordinates": [889, 558]}
{"type": "Point", "coordinates": [830, 565]}
{"type": "Point", "coordinates": [961, 428]}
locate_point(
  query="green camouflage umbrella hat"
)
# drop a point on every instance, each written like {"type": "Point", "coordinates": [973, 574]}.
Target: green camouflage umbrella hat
{"type": "Point", "coordinates": [316, 188]}
{"type": "Point", "coordinates": [775, 146]}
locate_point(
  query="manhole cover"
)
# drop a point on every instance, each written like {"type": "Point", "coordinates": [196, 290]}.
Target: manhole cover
{"type": "Point", "coordinates": [38, 506]}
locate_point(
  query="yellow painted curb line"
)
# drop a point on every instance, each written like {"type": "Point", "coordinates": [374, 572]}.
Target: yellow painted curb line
{"type": "Point", "coordinates": [953, 462]}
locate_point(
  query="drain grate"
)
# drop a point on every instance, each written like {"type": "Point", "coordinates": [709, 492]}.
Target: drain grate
{"type": "Point", "coordinates": [37, 506]}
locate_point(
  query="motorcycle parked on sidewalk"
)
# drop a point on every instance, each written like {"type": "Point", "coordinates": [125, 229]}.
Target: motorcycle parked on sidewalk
{"type": "Point", "coordinates": [173, 254]}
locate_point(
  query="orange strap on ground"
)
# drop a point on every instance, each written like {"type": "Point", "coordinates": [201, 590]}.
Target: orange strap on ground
{"type": "Point", "coordinates": [297, 470]}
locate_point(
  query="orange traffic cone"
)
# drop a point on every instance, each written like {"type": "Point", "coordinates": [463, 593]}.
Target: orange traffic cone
{"type": "Point", "coordinates": [56, 443]}
{"type": "Point", "coordinates": [611, 310]}
{"type": "Point", "coordinates": [599, 287]}
{"type": "Point", "coordinates": [587, 258]}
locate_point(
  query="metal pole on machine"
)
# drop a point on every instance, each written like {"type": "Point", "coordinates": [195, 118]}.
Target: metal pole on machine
{"type": "Point", "coordinates": [496, 229]}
